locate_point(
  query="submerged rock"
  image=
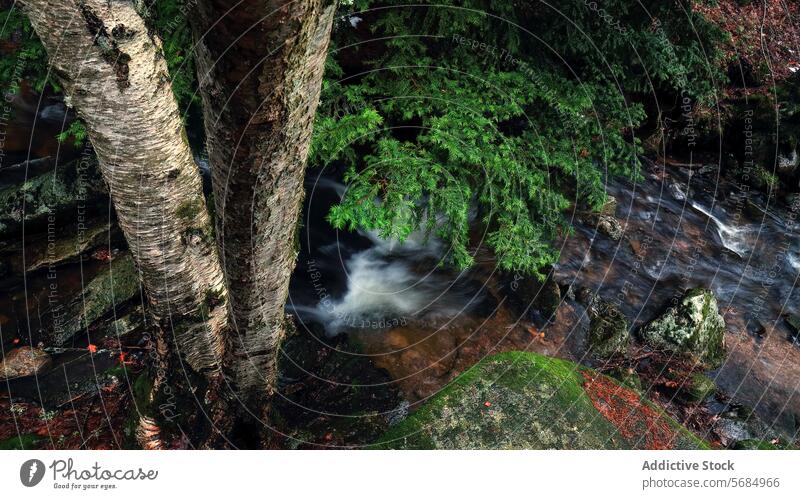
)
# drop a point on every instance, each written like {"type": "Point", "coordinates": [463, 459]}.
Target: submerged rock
{"type": "Point", "coordinates": [521, 400]}
{"type": "Point", "coordinates": [694, 328]}
{"type": "Point", "coordinates": [608, 332]}
{"type": "Point", "coordinates": [23, 361]}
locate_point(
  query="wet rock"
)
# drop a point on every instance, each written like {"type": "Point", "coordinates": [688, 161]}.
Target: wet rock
{"type": "Point", "coordinates": [52, 193]}
{"type": "Point", "coordinates": [794, 327]}
{"type": "Point", "coordinates": [112, 287]}
{"type": "Point", "coordinates": [64, 245]}
{"type": "Point", "coordinates": [610, 226]}
{"type": "Point", "coordinates": [520, 400]}
{"type": "Point", "coordinates": [609, 207]}
{"type": "Point", "coordinates": [126, 324]}
{"type": "Point", "coordinates": [731, 431]}
{"type": "Point", "coordinates": [608, 330]}
{"type": "Point", "coordinates": [68, 248]}
{"type": "Point", "coordinates": [72, 373]}
{"type": "Point", "coordinates": [526, 294]}
{"type": "Point", "coordinates": [23, 361]}
{"type": "Point", "coordinates": [698, 388]}
{"type": "Point", "coordinates": [787, 163]}
{"type": "Point", "coordinates": [694, 328]}
{"type": "Point", "coordinates": [754, 444]}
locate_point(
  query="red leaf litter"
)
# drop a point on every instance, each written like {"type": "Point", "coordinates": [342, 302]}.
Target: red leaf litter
{"type": "Point", "coordinates": [102, 255]}
{"type": "Point", "coordinates": [624, 408]}
{"type": "Point", "coordinates": [89, 422]}
{"type": "Point", "coordinates": [766, 33]}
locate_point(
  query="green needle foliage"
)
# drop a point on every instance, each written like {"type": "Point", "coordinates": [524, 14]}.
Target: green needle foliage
{"type": "Point", "coordinates": [22, 56]}
{"type": "Point", "coordinates": [25, 59]}
{"type": "Point", "coordinates": [492, 118]}
{"type": "Point", "coordinates": [470, 119]}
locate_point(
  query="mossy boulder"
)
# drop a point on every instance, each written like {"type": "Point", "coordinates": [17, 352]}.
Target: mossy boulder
{"type": "Point", "coordinates": [627, 377]}
{"type": "Point", "coordinates": [694, 329]}
{"type": "Point", "coordinates": [521, 400]}
{"type": "Point", "coordinates": [698, 388]}
{"type": "Point", "coordinates": [113, 286]}
{"type": "Point", "coordinates": [608, 331]}
{"type": "Point", "coordinates": [49, 194]}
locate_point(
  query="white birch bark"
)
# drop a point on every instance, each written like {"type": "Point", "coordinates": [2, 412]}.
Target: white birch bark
{"type": "Point", "coordinates": [114, 75]}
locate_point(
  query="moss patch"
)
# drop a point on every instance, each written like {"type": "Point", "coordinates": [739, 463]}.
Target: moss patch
{"type": "Point", "coordinates": [21, 442]}
{"type": "Point", "coordinates": [112, 287]}
{"type": "Point", "coordinates": [520, 400]}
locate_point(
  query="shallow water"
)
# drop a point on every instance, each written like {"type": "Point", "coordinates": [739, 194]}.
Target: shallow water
{"type": "Point", "coordinates": [687, 230]}
{"type": "Point", "coordinates": [425, 324]}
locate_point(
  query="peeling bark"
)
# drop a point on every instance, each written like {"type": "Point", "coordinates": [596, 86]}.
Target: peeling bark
{"type": "Point", "coordinates": [260, 65]}
{"type": "Point", "coordinates": [114, 75]}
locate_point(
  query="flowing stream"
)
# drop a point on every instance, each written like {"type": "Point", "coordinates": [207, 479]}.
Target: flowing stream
{"type": "Point", "coordinates": [683, 228]}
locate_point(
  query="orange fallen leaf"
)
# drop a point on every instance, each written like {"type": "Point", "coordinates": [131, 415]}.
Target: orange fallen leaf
{"type": "Point", "coordinates": [92, 348]}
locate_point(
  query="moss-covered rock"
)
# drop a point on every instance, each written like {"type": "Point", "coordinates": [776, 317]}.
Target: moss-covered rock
{"type": "Point", "coordinates": [698, 388]}
{"type": "Point", "coordinates": [113, 286]}
{"type": "Point", "coordinates": [608, 332]}
{"type": "Point", "coordinates": [50, 193]}
{"type": "Point", "coordinates": [521, 400]}
{"type": "Point", "coordinates": [694, 328]}
{"type": "Point", "coordinates": [627, 377]}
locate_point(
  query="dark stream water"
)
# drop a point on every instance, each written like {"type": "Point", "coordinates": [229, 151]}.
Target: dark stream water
{"type": "Point", "coordinates": [424, 323]}
{"type": "Point", "coordinates": [684, 228]}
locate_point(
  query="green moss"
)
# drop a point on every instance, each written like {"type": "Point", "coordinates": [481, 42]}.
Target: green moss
{"type": "Point", "coordinates": [519, 400]}
{"type": "Point", "coordinates": [141, 406]}
{"type": "Point", "coordinates": [753, 444]}
{"type": "Point", "coordinates": [110, 288]}
{"type": "Point", "coordinates": [608, 333]}
{"type": "Point", "coordinates": [699, 387]}
{"type": "Point", "coordinates": [190, 209]}
{"type": "Point", "coordinates": [52, 192]}
{"type": "Point", "coordinates": [628, 378]}
{"type": "Point", "coordinates": [21, 442]}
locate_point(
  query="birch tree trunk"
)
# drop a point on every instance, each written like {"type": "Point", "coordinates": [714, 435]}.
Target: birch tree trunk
{"type": "Point", "coordinates": [114, 75]}
{"type": "Point", "coordinates": [260, 65]}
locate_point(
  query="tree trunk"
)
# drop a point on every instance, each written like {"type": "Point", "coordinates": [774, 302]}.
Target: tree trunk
{"type": "Point", "coordinates": [260, 65]}
{"type": "Point", "coordinates": [114, 75]}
